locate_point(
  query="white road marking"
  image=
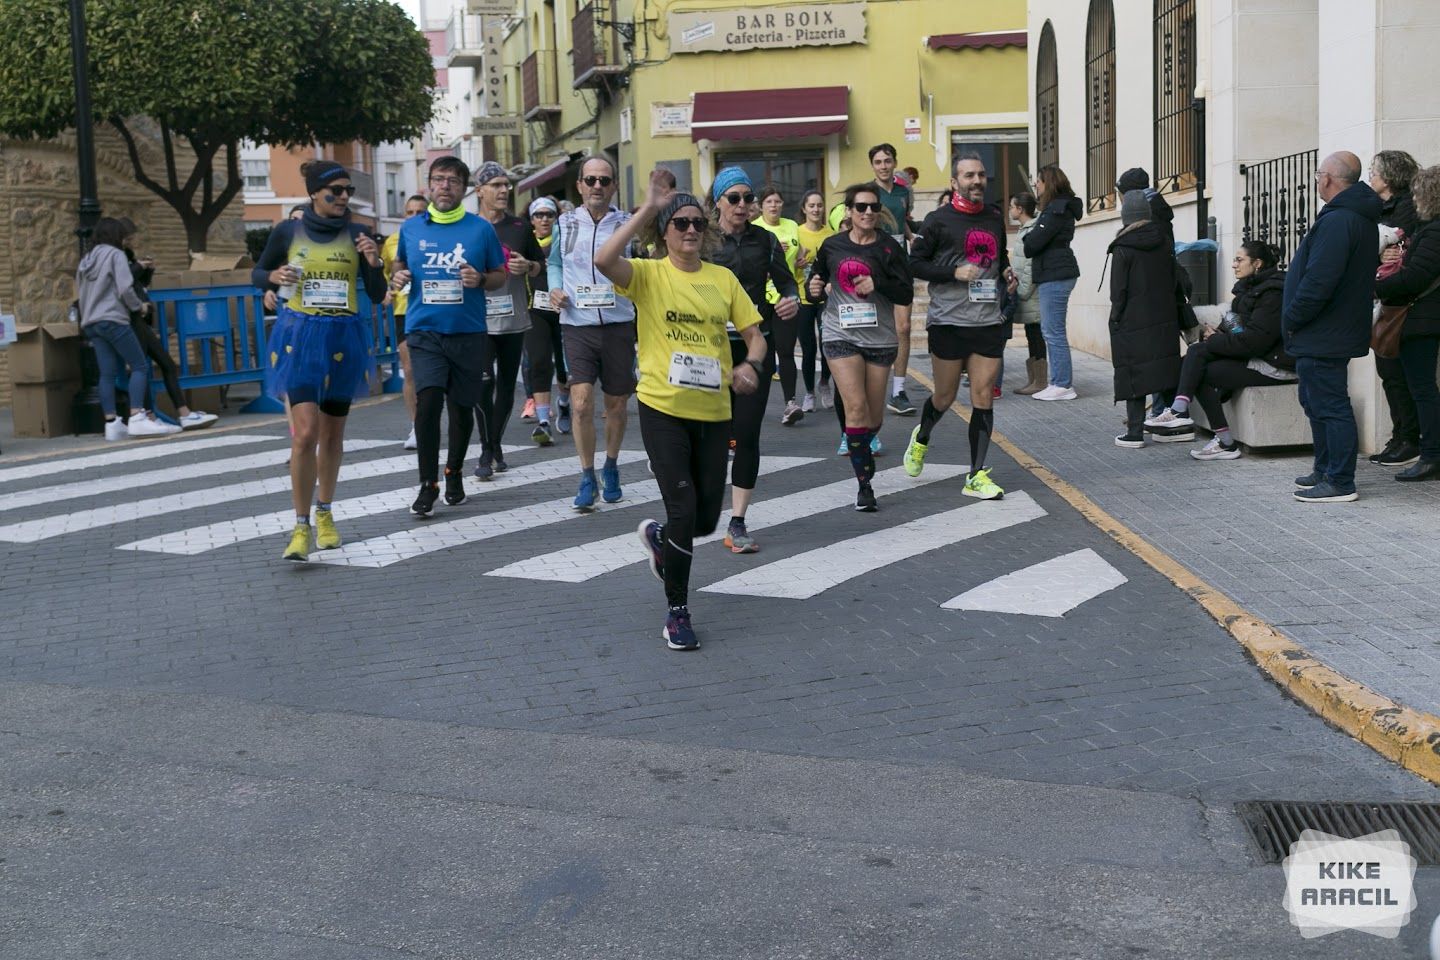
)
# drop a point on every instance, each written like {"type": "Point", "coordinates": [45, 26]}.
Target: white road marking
{"type": "Point", "coordinates": [226, 532]}
{"type": "Point", "coordinates": [152, 478]}
{"type": "Point", "coordinates": [590, 560]}
{"type": "Point", "coordinates": [429, 537]}
{"type": "Point", "coordinates": [33, 531]}
{"type": "Point", "coordinates": [1049, 589]}
{"type": "Point", "coordinates": [131, 454]}
{"type": "Point", "coordinates": [811, 573]}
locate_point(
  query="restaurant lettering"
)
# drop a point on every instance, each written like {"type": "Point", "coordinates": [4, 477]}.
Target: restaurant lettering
{"type": "Point", "coordinates": [768, 28]}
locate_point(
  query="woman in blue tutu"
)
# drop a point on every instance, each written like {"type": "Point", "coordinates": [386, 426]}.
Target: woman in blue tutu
{"type": "Point", "coordinates": [319, 354]}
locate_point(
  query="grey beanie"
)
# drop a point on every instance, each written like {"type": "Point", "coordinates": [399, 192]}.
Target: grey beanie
{"type": "Point", "coordinates": [1134, 207]}
{"type": "Point", "coordinates": [1133, 179]}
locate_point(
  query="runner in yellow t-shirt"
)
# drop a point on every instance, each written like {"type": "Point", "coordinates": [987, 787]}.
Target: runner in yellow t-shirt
{"type": "Point", "coordinates": [683, 308]}
{"type": "Point", "coordinates": [813, 232]}
{"type": "Point", "coordinates": [772, 204]}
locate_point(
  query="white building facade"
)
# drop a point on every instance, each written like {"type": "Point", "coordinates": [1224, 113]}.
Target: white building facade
{"type": "Point", "coordinates": [1228, 104]}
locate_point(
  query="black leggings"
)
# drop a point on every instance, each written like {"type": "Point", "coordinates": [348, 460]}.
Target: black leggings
{"type": "Point", "coordinates": [786, 333]}
{"type": "Point", "coordinates": [546, 351]}
{"type": "Point", "coordinates": [497, 397]}
{"type": "Point", "coordinates": [155, 350]}
{"type": "Point", "coordinates": [1035, 340]}
{"type": "Point", "coordinates": [816, 312]}
{"type": "Point", "coordinates": [1211, 381]}
{"type": "Point", "coordinates": [427, 433]}
{"type": "Point", "coordinates": [747, 414]}
{"type": "Point", "coordinates": [688, 459]}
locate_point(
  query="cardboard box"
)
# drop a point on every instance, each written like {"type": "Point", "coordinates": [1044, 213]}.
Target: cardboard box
{"type": "Point", "coordinates": [201, 279]}
{"type": "Point", "coordinates": [45, 353]}
{"type": "Point", "coordinates": [43, 409]}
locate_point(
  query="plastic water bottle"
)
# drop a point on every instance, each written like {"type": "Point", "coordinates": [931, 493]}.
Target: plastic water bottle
{"type": "Point", "coordinates": [287, 290]}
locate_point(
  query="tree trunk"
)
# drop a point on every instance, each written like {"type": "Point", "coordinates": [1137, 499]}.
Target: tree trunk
{"type": "Point", "coordinates": [198, 219]}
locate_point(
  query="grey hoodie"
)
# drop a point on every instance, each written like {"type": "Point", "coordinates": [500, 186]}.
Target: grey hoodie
{"type": "Point", "coordinates": [105, 287]}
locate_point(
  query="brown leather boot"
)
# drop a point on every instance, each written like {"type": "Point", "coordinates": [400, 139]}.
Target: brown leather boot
{"type": "Point", "coordinates": [1039, 371]}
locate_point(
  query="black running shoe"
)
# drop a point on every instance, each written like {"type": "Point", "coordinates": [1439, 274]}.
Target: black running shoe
{"type": "Point", "coordinates": [485, 468]}
{"type": "Point", "coordinates": [454, 487]}
{"type": "Point", "coordinates": [1399, 455]}
{"type": "Point", "coordinates": [424, 505]}
{"type": "Point", "coordinates": [500, 465]}
{"type": "Point", "coordinates": [865, 499]}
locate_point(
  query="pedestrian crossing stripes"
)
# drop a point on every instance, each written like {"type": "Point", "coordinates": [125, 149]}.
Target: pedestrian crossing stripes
{"type": "Point", "coordinates": [148, 450]}
{"type": "Point", "coordinates": [430, 537]}
{"type": "Point", "coordinates": [1049, 589]}
{"type": "Point", "coordinates": [144, 480]}
{"type": "Point", "coordinates": [590, 560]}
{"type": "Point", "coordinates": [33, 531]}
{"type": "Point", "coordinates": [808, 574]}
{"type": "Point", "coordinates": [197, 540]}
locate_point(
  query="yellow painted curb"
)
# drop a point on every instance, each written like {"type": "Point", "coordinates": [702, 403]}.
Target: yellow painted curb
{"type": "Point", "coordinates": [1409, 737]}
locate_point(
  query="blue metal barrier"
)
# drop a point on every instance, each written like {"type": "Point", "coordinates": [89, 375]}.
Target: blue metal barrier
{"type": "Point", "coordinates": [233, 317]}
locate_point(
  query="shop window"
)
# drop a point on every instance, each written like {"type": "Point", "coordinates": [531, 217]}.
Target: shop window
{"type": "Point", "coordinates": [1100, 106]}
{"type": "Point", "coordinates": [1047, 101]}
{"type": "Point", "coordinates": [1176, 141]}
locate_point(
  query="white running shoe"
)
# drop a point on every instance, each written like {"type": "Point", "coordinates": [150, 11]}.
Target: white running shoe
{"type": "Point", "coordinates": [807, 403]}
{"type": "Point", "coordinates": [142, 425]}
{"type": "Point", "coordinates": [827, 396]}
{"type": "Point", "coordinates": [410, 443]}
{"type": "Point", "coordinates": [1053, 392]}
{"type": "Point", "coordinates": [1168, 419]}
{"type": "Point", "coordinates": [115, 429]}
{"type": "Point", "coordinates": [196, 419]}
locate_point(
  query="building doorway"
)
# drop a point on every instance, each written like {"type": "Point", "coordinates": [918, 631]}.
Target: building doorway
{"type": "Point", "coordinates": [793, 171]}
{"type": "Point", "coordinates": [1007, 159]}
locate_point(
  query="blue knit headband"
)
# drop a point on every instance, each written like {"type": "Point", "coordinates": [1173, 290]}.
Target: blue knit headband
{"type": "Point", "coordinates": [727, 178]}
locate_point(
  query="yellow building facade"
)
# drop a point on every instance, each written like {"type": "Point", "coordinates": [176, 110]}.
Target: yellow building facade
{"type": "Point", "coordinates": [796, 93]}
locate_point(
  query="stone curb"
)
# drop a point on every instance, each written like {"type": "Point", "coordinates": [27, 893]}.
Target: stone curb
{"type": "Point", "coordinates": [1407, 736]}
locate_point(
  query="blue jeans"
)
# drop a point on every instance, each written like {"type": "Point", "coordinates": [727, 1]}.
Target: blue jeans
{"type": "Point", "coordinates": [1417, 357]}
{"type": "Point", "coordinates": [1054, 302]}
{"type": "Point", "coordinates": [116, 348]}
{"type": "Point", "coordinates": [1325, 395]}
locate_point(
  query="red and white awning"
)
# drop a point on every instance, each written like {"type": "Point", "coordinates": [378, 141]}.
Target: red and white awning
{"type": "Point", "coordinates": [770, 114]}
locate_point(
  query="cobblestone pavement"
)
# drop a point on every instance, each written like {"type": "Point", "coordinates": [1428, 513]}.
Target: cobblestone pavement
{"type": "Point", "coordinates": [163, 575]}
{"type": "Point", "coordinates": [1353, 583]}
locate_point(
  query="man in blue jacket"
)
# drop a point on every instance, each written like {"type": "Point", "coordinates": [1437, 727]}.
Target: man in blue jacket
{"type": "Point", "coordinates": [1326, 321]}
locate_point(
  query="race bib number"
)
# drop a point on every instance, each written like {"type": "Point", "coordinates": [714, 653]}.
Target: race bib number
{"type": "Point", "coordinates": [694, 372]}
{"type": "Point", "coordinates": [440, 292]}
{"type": "Point", "coordinates": [983, 291]}
{"type": "Point", "coordinates": [325, 294]}
{"type": "Point", "coordinates": [541, 301]}
{"type": "Point", "coordinates": [853, 315]}
{"type": "Point", "coordinates": [593, 296]}
{"type": "Point", "coordinates": [500, 305]}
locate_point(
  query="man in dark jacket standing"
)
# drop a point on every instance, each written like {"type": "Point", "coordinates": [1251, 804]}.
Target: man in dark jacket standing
{"type": "Point", "coordinates": [1326, 320]}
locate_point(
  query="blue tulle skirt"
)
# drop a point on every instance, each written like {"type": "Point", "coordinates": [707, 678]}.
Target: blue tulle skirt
{"type": "Point", "coordinates": [325, 357]}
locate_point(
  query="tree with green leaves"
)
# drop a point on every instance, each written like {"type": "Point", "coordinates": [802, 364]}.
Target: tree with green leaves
{"type": "Point", "coordinates": [210, 73]}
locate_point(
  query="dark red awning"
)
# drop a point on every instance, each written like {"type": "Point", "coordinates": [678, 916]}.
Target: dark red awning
{"type": "Point", "coordinates": [770, 114]}
{"type": "Point", "coordinates": [543, 176]}
{"type": "Point", "coordinates": [974, 41]}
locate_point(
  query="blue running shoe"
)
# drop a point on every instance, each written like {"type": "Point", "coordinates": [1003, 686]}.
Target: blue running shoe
{"type": "Point", "coordinates": [654, 547]}
{"type": "Point", "coordinates": [841, 450]}
{"type": "Point", "coordinates": [876, 447]}
{"type": "Point", "coordinates": [678, 633]}
{"type": "Point", "coordinates": [585, 497]}
{"type": "Point", "coordinates": [562, 422]}
{"type": "Point", "coordinates": [610, 484]}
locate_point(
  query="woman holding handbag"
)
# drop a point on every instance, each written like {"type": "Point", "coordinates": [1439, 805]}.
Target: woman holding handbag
{"type": "Point", "coordinates": [1417, 283]}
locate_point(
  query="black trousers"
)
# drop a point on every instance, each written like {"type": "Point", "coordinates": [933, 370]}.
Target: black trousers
{"type": "Point", "coordinates": [1035, 341]}
{"type": "Point", "coordinates": [497, 397]}
{"type": "Point", "coordinates": [688, 458]}
{"type": "Point", "coordinates": [428, 404]}
{"type": "Point", "coordinates": [1404, 417]}
{"type": "Point", "coordinates": [546, 352]}
{"type": "Point", "coordinates": [155, 350]}
{"type": "Point", "coordinates": [1211, 381]}
{"type": "Point", "coordinates": [747, 415]}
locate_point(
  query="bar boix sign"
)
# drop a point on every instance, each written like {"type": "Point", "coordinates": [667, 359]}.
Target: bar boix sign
{"type": "Point", "coordinates": [767, 28]}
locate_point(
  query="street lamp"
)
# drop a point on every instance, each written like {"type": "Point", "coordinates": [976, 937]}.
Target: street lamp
{"type": "Point", "coordinates": [86, 413]}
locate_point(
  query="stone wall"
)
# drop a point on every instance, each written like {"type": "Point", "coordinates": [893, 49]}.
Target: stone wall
{"type": "Point", "coordinates": [39, 204]}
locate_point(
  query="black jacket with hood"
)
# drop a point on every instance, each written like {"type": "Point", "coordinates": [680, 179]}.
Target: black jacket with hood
{"type": "Point", "coordinates": [1048, 242]}
{"type": "Point", "coordinates": [1256, 334]}
{"type": "Point", "coordinates": [1329, 286]}
{"type": "Point", "coordinates": [1144, 313]}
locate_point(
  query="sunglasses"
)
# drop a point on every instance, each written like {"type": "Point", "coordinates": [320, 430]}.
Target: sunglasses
{"type": "Point", "coordinates": [597, 181]}
{"type": "Point", "coordinates": [738, 198]}
{"type": "Point", "coordinates": [336, 189]}
{"type": "Point", "coordinates": [865, 207]}
{"type": "Point", "coordinates": [542, 215]}
{"type": "Point", "coordinates": [686, 224]}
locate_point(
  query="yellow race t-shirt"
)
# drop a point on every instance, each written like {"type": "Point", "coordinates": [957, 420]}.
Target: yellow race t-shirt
{"type": "Point", "coordinates": [810, 241]}
{"type": "Point", "coordinates": [398, 300]}
{"type": "Point", "coordinates": [680, 321]}
{"type": "Point", "coordinates": [786, 231]}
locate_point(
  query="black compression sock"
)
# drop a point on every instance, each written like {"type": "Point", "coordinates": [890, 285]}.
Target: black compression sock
{"type": "Point", "coordinates": [982, 422]}
{"type": "Point", "coordinates": [929, 416]}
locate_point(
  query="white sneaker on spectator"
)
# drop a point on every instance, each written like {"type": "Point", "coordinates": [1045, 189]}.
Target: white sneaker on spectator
{"type": "Point", "coordinates": [196, 419]}
{"type": "Point", "coordinates": [142, 425]}
{"type": "Point", "coordinates": [115, 429]}
{"type": "Point", "coordinates": [1053, 392]}
{"type": "Point", "coordinates": [1168, 419]}
{"type": "Point", "coordinates": [410, 443]}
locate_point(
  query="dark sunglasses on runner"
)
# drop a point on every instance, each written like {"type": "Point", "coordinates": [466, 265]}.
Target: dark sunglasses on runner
{"type": "Point", "coordinates": [338, 188]}
{"type": "Point", "coordinates": [866, 207]}
{"type": "Point", "coordinates": [738, 198]}
{"type": "Point", "coordinates": [686, 224]}
{"type": "Point", "coordinates": [542, 215]}
{"type": "Point", "coordinates": [597, 181]}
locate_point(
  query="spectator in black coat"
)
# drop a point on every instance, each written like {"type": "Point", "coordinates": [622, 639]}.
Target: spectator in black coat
{"type": "Point", "coordinates": [1160, 213]}
{"type": "Point", "coordinates": [1326, 320]}
{"type": "Point", "coordinates": [1245, 352]}
{"type": "Point", "coordinates": [1420, 337]}
{"type": "Point", "coordinates": [1391, 173]}
{"type": "Point", "coordinates": [1144, 315]}
{"type": "Point", "coordinates": [1054, 271]}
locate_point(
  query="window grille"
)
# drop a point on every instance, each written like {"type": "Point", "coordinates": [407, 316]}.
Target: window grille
{"type": "Point", "coordinates": [1100, 96]}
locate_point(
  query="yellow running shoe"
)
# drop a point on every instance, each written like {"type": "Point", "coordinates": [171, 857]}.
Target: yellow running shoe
{"type": "Point", "coordinates": [915, 454]}
{"type": "Point", "coordinates": [981, 487]}
{"type": "Point", "coordinates": [299, 549]}
{"type": "Point", "coordinates": [326, 536]}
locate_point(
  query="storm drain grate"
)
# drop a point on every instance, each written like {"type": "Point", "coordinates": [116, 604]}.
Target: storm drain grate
{"type": "Point", "coordinates": [1275, 824]}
